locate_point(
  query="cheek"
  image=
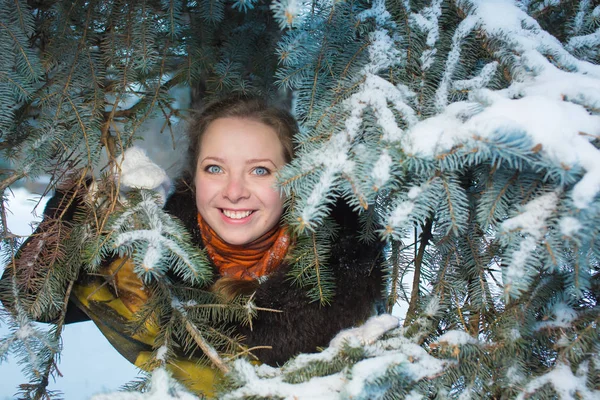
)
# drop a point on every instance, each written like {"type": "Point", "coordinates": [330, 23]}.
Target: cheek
{"type": "Point", "coordinates": [204, 193]}
{"type": "Point", "coordinates": [273, 201]}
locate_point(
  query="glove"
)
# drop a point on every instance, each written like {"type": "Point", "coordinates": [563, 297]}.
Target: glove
{"type": "Point", "coordinates": [136, 171]}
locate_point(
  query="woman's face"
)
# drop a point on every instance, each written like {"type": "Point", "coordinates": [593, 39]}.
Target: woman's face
{"type": "Point", "coordinates": [235, 179]}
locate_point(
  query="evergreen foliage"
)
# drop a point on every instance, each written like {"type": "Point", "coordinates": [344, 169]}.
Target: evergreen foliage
{"type": "Point", "coordinates": [466, 132]}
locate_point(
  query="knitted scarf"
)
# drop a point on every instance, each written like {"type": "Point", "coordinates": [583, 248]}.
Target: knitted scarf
{"type": "Point", "coordinates": [246, 262]}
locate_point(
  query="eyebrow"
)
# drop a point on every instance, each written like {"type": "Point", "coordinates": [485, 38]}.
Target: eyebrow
{"type": "Point", "coordinates": [217, 159]}
{"type": "Point", "coordinates": [251, 161]}
{"type": "Point", "coordinates": [260, 160]}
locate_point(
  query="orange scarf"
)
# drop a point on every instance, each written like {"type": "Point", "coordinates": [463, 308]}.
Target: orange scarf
{"type": "Point", "coordinates": [246, 262]}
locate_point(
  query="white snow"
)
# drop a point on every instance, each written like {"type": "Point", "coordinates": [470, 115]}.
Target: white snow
{"type": "Point", "coordinates": [415, 362]}
{"type": "Point", "coordinates": [557, 126]}
{"type": "Point", "coordinates": [427, 21]}
{"type": "Point", "coordinates": [531, 221]}
{"type": "Point", "coordinates": [162, 387]}
{"type": "Point", "coordinates": [533, 218]}
{"type": "Point", "coordinates": [562, 129]}
{"type": "Point", "coordinates": [381, 169]}
{"type": "Point", "coordinates": [367, 333]}
{"type": "Point", "coordinates": [374, 92]}
{"type": "Point", "coordinates": [465, 27]}
{"type": "Point", "coordinates": [25, 332]}
{"type": "Point", "coordinates": [318, 388]}
{"type": "Point", "coordinates": [480, 81]}
{"type": "Point", "coordinates": [368, 370]}
{"type": "Point", "coordinates": [565, 383]}
{"type": "Point", "coordinates": [414, 395]}
{"type": "Point", "coordinates": [161, 353]}
{"type": "Point", "coordinates": [514, 375]}
{"type": "Point", "coordinates": [379, 12]}
{"type": "Point", "coordinates": [289, 13]}
{"type": "Point", "coordinates": [589, 40]}
{"type": "Point", "coordinates": [584, 6]}
{"type": "Point", "coordinates": [434, 135]}
{"type": "Point", "coordinates": [518, 266]}
{"type": "Point", "coordinates": [414, 192]}
{"type": "Point", "coordinates": [569, 226]}
{"type": "Point", "coordinates": [563, 314]}
{"type": "Point", "coordinates": [382, 51]}
{"type": "Point", "coordinates": [454, 337]}
{"type": "Point", "coordinates": [433, 307]}
{"type": "Point", "coordinates": [401, 214]}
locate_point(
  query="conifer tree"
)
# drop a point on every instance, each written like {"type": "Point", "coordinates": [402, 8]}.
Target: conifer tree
{"type": "Point", "coordinates": [474, 123]}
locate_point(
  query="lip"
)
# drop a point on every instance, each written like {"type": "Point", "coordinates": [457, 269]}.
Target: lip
{"type": "Point", "coordinates": [235, 220]}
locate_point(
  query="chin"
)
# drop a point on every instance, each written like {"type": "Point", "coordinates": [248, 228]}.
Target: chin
{"type": "Point", "coordinates": [236, 240]}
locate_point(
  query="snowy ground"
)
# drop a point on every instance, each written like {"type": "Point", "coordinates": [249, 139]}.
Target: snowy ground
{"type": "Point", "coordinates": [89, 364]}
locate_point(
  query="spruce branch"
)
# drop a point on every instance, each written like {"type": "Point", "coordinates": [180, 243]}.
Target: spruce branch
{"type": "Point", "coordinates": [317, 267]}
{"type": "Point", "coordinates": [426, 236]}
{"type": "Point", "coordinates": [206, 348]}
{"type": "Point", "coordinates": [106, 138]}
{"type": "Point", "coordinates": [317, 70]}
{"type": "Point", "coordinates": [392, 298]}
{"type": "Point", "coordinates": [19, 45]}
{"type": "Point", "coordinates": [15, 176]}
{"type": "Point", "coordinates": [52, 364]}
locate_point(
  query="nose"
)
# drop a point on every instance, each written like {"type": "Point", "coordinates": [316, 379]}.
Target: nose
{"type": "Point", "coordinates": [236, 189]}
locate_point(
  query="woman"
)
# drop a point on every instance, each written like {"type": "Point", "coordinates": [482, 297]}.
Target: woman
{"type": "Point", "coordinates": [229, 203]}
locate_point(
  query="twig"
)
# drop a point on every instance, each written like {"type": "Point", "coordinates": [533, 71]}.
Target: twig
{"type": "Point", "coordinates": [10, 180]}
{"type": "Point", "coordinates": [249, 351]}
{"type": "Point", "coordinates": [206, 348]}
{"type": "Point", "coordinates": [393, 296]}
{"type": "Point", "coordinates": [414, 296]}
{"type": "Point", "coordinates": [41, 391]}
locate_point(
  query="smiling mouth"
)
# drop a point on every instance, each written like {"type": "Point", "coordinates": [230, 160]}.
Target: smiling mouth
{"type": "Point", "coordinates": [236, 214]}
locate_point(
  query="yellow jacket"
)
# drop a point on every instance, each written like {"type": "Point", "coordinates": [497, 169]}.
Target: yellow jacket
{"type": "Point", "coordinates": [111, 299]}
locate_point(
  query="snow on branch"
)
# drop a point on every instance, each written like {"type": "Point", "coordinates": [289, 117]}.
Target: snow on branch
{"type": "Point", "coordinates": [162, 387]}
{"type": "Point", "coordinates": [290, 13]}
{"type": "Point", "coordinates": [393, 354]}
{"type": "Point", "coordinates": [374, 93]}
{"type": "Point", "coordinates": [561, 130]}
{"type": "Point", "coordinates": [533, 49]}
{"type": "Point", "coordinates": [584, 6]}
{"type": "Point", "coordinates": [591, 40]}
{"type": "Point", "coordinates": [155, 240]}
{"type": "Point", "coordinates": [428, 21]}
{"type": "Point", "coordinates": [531, 222]}
{"type": "Point", "coordinates": [480, 81]}
{"type": "Point", "coordinates": [566, 384]}
{"type": "Point", "coordinates": [466, 26]}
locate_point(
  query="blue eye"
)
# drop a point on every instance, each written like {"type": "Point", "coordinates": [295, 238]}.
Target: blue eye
{"type": "Point", "coordinates": [213, 169]}
{"type": "Point", "coordinates": [261, 171]}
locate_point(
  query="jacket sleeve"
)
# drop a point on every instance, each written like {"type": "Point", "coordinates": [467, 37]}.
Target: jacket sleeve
{"type": "Point", "coordinates": [34, 255]}
{"type": "Point", "coordinates": [303, 326]}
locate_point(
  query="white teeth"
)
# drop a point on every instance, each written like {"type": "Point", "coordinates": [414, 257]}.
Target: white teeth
{"type": "Point", "coordinates": [236, 214]}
